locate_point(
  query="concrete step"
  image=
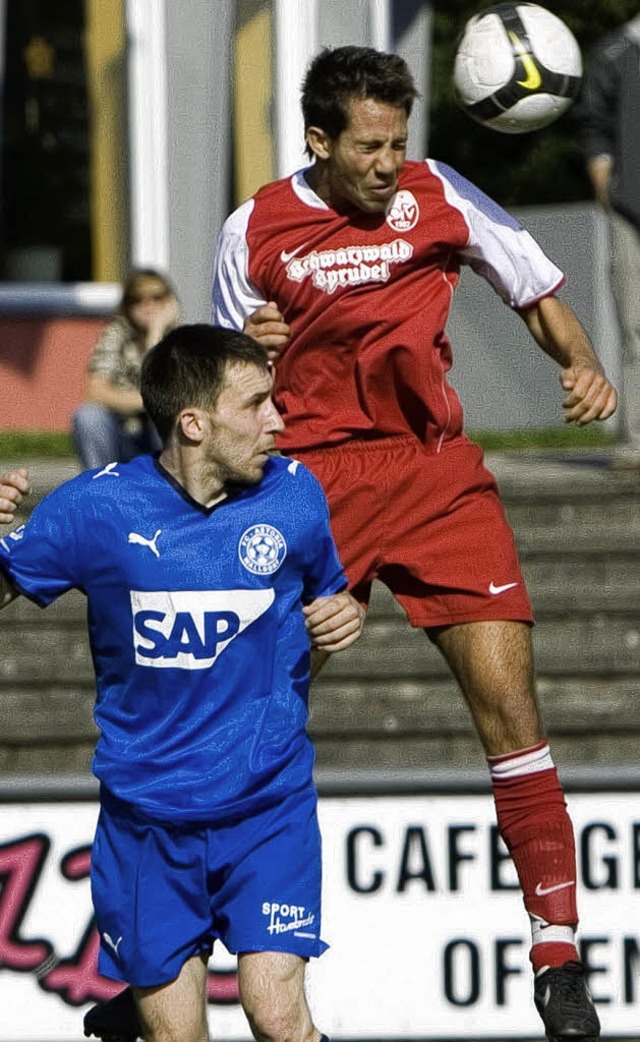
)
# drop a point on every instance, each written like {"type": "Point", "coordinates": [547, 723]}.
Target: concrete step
{"type": "Point", "coordinates": [564, 646]}
{"type": "Point", "coordinates": [615, 534]}
{"type": "Point", "coordinates": [434, 752]}
{"type": "Point", "coordinates": [43, 649]}
{"type": "Point", "coordinates": [552, 478]}
{"type": "Point", "coordinates": [353, 706]}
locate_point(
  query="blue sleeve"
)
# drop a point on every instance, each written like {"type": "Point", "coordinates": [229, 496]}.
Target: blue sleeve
{"type": "Point", "coordinates": [40, 558]}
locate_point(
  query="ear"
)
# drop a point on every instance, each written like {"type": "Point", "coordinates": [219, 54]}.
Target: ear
{"type": "Point", "coordinates": [191, 424]}
{"type": "Point", "coordinates": [319, 142]}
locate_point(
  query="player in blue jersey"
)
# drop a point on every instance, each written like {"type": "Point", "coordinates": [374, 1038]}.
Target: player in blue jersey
{"type": "Point", "coordinates": [210, 571]}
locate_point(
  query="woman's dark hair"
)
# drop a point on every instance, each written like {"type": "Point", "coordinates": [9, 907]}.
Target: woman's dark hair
{"type": "Point", "coordinates": [187, 368]}
{"type": "Point", "coordinates": [134, 284]}
{"type": "Point", "coordinates": [336, 76]}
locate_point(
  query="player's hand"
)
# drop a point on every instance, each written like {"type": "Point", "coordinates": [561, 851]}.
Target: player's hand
{"type": "Point", "coordinates": [14, 486]}
{"type": "Point", "coordinates": [590, 396]}
{"type": "Point", "coordinates": [267, 325]}
{"type": "Point", "coordinates": [334, 623]}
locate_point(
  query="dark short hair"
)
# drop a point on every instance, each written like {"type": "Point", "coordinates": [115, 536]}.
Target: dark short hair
{"type": "Point", "coordinates": [188, 367]}
{"type": "Point", "coordinates": [336, 76]}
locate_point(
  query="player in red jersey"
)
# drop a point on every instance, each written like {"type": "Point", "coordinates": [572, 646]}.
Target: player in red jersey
{"type": "Point", "coordinates": [346, 271]}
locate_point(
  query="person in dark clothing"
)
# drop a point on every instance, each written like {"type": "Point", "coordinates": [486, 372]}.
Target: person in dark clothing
{"type": "Point", "coordinates": [607, 113]}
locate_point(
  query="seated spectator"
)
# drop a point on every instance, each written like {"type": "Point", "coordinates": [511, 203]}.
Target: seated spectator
{"type": "Point", "coordinates": [111, 424]}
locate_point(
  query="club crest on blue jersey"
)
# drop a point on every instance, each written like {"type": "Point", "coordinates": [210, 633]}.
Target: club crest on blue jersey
{"type": "Point", "coordinates": [262, 549]}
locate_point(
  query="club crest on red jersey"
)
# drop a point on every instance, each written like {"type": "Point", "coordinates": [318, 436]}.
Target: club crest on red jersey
{"type": "Point", "coordinates": [403, 211]}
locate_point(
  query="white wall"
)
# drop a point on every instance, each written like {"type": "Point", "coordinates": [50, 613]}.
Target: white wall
{"type": "Point", "coordinates": [503, 378]}
{"type": "Point", "coordinates": [198, 46]}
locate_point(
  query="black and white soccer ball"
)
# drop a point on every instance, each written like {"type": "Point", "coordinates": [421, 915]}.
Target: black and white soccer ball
{"type": "Point", "coordinates": [517, 68]}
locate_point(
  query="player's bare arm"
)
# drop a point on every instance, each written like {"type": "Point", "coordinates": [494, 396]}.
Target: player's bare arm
{"type": "Point", "coordinates": [557, 330]}
{"type": "Point", "coordinates": [267, 325]}
{"type": "Point", "coordinates": [599, 170]}
{"type": "Point", "coordinates": [14, 486]}
{"type": "Point", "coordinates": [164, 315]}
{"type": "Point", "coordinates": [125, 401]}
{"type": "Point", "coordinates": [334, 623]}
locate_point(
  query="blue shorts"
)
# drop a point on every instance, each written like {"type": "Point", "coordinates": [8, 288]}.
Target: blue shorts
{"type": "Point", "coordinates": [163, 892]}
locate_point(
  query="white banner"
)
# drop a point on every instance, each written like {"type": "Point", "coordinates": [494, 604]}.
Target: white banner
{"type": "Point", "coordinates": [429, 938]}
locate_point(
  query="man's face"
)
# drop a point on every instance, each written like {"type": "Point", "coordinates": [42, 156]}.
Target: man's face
{"type": "Point", "coordinates": [364, 161]}
{"type": "Point", "coordinates": [241, 430]}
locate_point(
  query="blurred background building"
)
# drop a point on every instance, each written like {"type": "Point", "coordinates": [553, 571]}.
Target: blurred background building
{"type": "Point", "coordinates": [129, 130]}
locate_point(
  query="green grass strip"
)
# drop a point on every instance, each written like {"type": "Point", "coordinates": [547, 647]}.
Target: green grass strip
{"type": "Point", "coordinates": [16, 445]}
{"type": "Point", "coordinates": [29, 444]}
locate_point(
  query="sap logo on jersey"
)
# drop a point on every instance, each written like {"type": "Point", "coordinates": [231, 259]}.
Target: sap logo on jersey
{"type": "Point", "coordinates": [189, 629]}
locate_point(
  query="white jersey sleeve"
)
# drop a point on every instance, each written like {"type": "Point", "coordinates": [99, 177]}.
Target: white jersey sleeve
{"type": "Point", "coordinates": [498, 248]}
{"type": "Point", "coordinates": [233, 295]}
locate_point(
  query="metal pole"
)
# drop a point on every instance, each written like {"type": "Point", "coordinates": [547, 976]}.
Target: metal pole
{"type": "Point", "coordinates": [296, 26]}
{"type": "Point", "coordinates": [380, 24]}
{"type": "Point", "coordinates": [147, 102]}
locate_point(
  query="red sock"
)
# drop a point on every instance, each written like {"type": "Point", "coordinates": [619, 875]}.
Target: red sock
{"type": "Point", "coordinates": [534, 824]}
{"type": "Point", "coordinates": [554, 954]}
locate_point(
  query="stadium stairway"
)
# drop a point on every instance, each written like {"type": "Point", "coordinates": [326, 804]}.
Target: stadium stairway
{"type": "Point", "coordinates": [389, 703]}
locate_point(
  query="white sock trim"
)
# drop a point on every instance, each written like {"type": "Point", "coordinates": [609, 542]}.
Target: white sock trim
{"type": "Point", "coordinates": [530, 762]}
{"type": "Point", "coordinates": [546, 933]}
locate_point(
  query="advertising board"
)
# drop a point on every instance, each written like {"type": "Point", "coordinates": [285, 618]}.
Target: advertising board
{"type": "Point", "coordinates": [428, 935]}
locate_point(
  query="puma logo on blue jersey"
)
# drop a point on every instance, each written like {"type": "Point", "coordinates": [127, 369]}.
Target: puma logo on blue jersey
{"type": "Point", "coordinates": [109, 471]}
{"type": "Point", "coordinates": [141, 540]}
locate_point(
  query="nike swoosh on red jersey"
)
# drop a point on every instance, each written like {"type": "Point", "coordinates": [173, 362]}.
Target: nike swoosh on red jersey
{"type": "Point", "coordinates": [285, 256]}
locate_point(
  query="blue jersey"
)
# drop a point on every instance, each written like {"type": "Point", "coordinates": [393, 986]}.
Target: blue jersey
{"type": "Point", "coordinates": [197, 634]}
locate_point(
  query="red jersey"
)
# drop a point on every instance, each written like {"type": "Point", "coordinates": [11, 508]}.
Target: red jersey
{"type": "Point", "coordinates": [368, 296]}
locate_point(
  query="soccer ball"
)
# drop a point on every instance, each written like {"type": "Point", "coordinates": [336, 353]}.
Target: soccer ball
{"type": "Point", "coordinates": [517, 68]}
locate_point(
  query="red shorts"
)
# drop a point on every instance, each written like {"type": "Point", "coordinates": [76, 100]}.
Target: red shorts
{"type": "Point", "coordinates": [430, 526]}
